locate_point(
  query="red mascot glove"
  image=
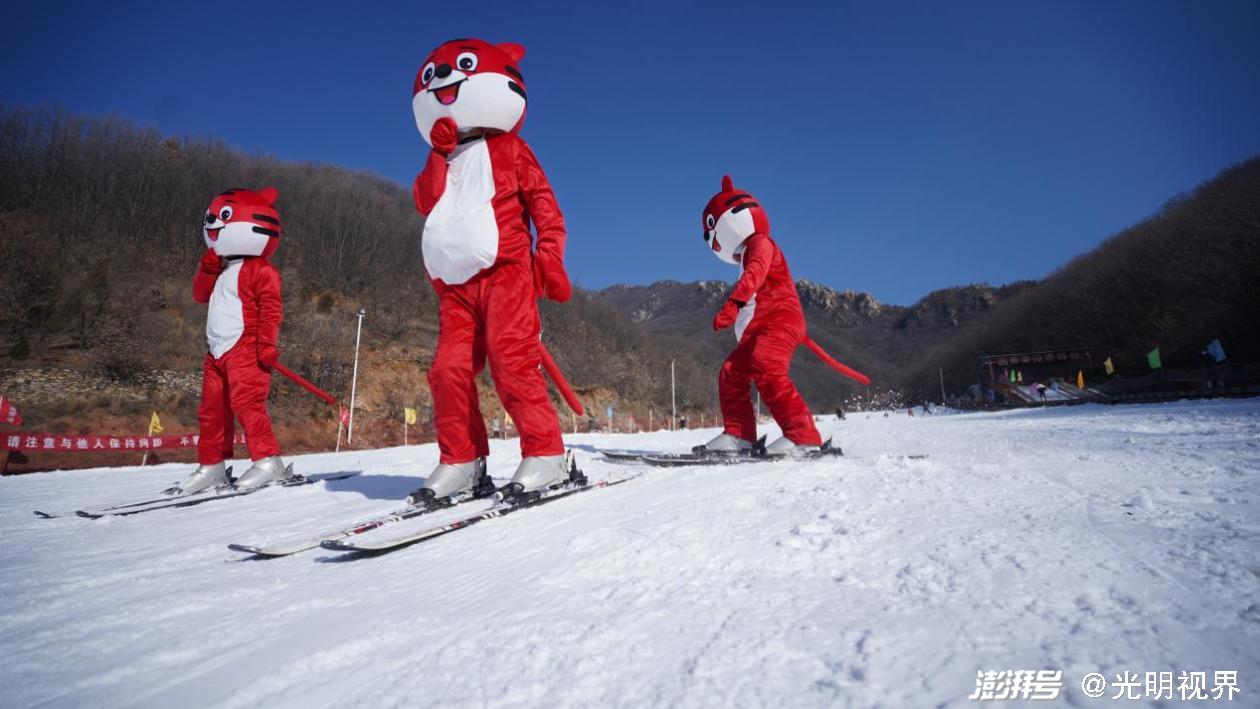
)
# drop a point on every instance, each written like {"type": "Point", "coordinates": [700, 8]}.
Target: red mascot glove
{"type": "Point", "coordinates": [211, 263]}
{"type": "Point", "coordinates": [268, 355]}
{"type": "Point", "coordinates": [444, 135]}
{"type": "Point", "coordinates": [726, 316]}
{"type": "Point", "coordinates": [549, 277]}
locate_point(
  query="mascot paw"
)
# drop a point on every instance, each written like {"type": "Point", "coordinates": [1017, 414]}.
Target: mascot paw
{"type": "Point", "coordinates": [445, 135]}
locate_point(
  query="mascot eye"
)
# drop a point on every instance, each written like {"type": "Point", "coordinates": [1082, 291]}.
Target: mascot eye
{"type": "Point", "coordinates": [225, 213]}
{"type": "Point", "coordinates": [466, 61]}
{"type": "Point", "coordinates": [427, 75]}
{"type": "Point", "coordinates": [709, 221]}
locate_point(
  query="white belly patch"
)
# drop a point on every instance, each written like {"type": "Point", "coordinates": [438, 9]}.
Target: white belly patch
{"type": "Point", "coordinates": [225, 322]}
{"type": "Point", "coordinates": [744, 317]}
{"type": "Point", "coordinates": [460, 235]}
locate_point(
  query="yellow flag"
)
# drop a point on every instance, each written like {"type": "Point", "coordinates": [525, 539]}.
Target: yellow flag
{"type": "Point", "coordinates": [1080, 379]}
{"type": "Point", "coordinates": [1107, 365]}
{"type": "Point", "coordinates": [507, 418]}
{"type": "Point", "coordinates": [155, 424]}
{"type": "Point", "coordinates": [409, 415]}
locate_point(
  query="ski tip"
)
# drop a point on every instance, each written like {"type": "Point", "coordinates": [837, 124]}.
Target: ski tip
{"type": "Point", "coordinates": [245, 548]}
{"type": "Point", "coordinates": [87, 515]}
{"type": "Point", "coordinates": [45, 515]}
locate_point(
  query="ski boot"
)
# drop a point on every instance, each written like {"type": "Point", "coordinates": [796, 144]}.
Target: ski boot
{"type": "Point", "coordinates": [724, 444]}
{"type": "Point", "coordinates": [540, 472]}
{"type": "Point", "coordinates": [784, 448]}
{"type": "Point", "coordinates": [448, 480]}
{"type": "Point", "coordinates": [205, 477]}
{"type": "Point", "coordinates": [264, 472]}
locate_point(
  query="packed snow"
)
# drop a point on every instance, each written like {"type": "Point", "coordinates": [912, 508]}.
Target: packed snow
{"type": "Point", "coordinates": [1083, 539]}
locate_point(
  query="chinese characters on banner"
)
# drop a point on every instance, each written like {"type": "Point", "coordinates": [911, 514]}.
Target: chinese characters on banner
{"type": "Point", "coordinates": [65, 442]}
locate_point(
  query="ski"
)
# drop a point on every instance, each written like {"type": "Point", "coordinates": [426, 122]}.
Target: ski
{"type": "Point", "coordinates": [222, 493]}
{"type": "Point", "coordinates": [141, 503]}
{"type": "Point", "coordinates": [624, 456]}
{"type": "Point", "coordinates": [756, 454]}
{"type": "Point", "coordinates": [366, 525]}
{"type": "Point", "coordinates": [500, 509]}
{"type": "Point", "coordinates": [680, 461]}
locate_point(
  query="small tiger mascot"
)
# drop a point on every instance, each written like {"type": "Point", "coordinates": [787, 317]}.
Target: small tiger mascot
{"type": "Point", "coordinates": [241, 230]}
{"type": "Point", "coordinates": [769, 324]}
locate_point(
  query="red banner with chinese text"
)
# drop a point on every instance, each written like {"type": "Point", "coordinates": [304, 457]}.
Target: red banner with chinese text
{"type": "Point", "coordinates": [66, 442]}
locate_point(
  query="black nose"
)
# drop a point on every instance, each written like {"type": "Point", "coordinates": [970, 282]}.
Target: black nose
{"type": "Point", "coordinates": [705, 235]}
{"type": "Point", "coordinates": [443, 71]}
{"type": "Point", "coordinates": [209, 218]}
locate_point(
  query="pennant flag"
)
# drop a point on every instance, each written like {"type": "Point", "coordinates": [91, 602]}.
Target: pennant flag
{"type": "Point", "coordinates": [1080, 379]}
{"type": "Point", "coordinates": [1011, 376]}
{"type": "Point", "coordinates": [155, 424]}
{"type": "Point", "coordinates": [9, 413]}
{"type": "Point", "coordinates": [409, 416]}
{"type": "Point", "coordinates": [1107, 365]}
{"type": "Point", "coordinates": [507, 418]}
{"type": "Point", "coordinates": [344, 413]}
{"type": "Point", "coordinates": [1019, 377]}
{"type": "Point", "coordinates": [1152, 358]}
{"type": "Point", "coordinates": [1214, 348]}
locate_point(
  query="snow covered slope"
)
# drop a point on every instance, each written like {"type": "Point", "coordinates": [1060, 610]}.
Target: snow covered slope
{"type": "Point", "coordinates": [1084, 539]}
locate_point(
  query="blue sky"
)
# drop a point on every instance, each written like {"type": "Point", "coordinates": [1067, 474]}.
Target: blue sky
{"type": "Point", "coordinates": [897, 148]}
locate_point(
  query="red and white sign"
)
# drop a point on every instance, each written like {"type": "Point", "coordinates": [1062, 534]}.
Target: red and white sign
{"type": "Point", "coordinates": [84, 443]}
{"type": "Point", "coordinates": [9, 413]}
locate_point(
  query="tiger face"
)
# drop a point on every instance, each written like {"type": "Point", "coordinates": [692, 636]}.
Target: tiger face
{"type": "Point", "coordinates": [243, 223]}
{"type": "Point", "coordinates": [729, 219]}
{"type": "Point", "coordinates": [473, 82]}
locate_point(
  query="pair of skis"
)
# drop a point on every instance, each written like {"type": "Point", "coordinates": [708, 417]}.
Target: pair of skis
{"type": "Point", "coordinates": [167, 502]}
{"type": "Point", "coordinates": [698, 456]}
{"type": "Point", "coordinates": [478, 509]}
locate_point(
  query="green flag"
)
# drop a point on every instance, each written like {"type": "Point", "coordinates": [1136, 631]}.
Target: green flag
{"type": "Point", "coordinates": [1152, 358]}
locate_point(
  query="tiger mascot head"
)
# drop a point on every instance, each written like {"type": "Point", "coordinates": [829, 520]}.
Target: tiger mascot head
{"type": "Point", "coordinates": [475, 83]}
{"type": "Point", "coordinates": [243, 222]}
{"type": "Point", "coordinates": [729, 219]}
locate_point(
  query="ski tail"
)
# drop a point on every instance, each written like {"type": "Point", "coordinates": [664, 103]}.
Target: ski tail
{"type": "Point", "coordinates": [835, 364]}
{"type": "Point", "coordinates": [557, 377]}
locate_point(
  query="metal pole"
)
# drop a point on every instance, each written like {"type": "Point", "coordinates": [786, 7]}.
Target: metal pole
{"type": "Point", "coordinates": [354, 378]}
{"type": "Point", "coordinates": [941, 370]}
{"type": "Point", "coordinates": [673, 397]}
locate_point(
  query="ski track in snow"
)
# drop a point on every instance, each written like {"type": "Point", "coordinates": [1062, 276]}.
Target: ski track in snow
{"type": "Point", "coordinates": [1087, 539]}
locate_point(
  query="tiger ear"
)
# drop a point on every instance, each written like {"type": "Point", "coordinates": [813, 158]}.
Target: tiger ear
{"type": "Point", "coordinates": [514, 51]}
{"type": "Point", "coordinates": [727, 184]}
{"type": "Point", "coordinates": [268, 195]}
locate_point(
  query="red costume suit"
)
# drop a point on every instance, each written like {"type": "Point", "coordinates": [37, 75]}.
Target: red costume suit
{"type": "Point", "coordinates": [769, 323]}
{"type": "Point", "coordinates": [479, 191]}
{"type": "Point", "coordinates": [242, 229]}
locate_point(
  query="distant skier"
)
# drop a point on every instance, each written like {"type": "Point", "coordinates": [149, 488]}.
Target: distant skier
{"type": "Point", "coordinates": [1041, 390]}
{"type": "Point", "coordinates": [839, 414]}
{"type": "Point", "coordinates": [242, 230]}
{"type": "Point", "coordinates": [769, 324]}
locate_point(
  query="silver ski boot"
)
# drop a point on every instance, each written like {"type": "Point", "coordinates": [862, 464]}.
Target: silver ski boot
{"type": "Point", "coordinates": [785, 447]}
{"type": "Point", "coordinates": [448, 479]}
{"type": "Point", "coordinates": [204, 477]}
{"type": "Point", "coordinates": [264, 472]}
{"type": "Point", "coordinates": [724, 444]}
{"type": "Point", "coordinates": [539, 472]}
